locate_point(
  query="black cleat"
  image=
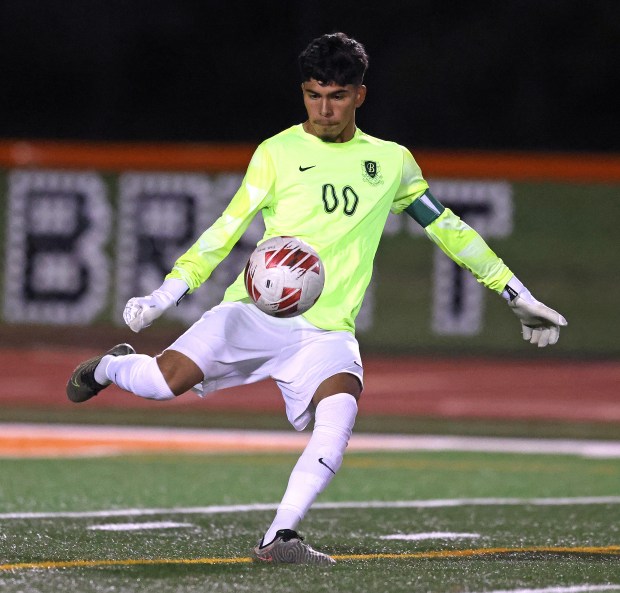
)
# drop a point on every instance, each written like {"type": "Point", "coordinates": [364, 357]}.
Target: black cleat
{"type": "Point", "coordinates": [82, 385]}
{"type": "Point", "coordinates": [288, 548]}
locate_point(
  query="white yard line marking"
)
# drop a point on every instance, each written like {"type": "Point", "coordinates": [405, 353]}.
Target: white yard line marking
{"type": "Point", "coordinates": [431, 535]}
{"type": "Point", "coordinates": [50, 440]}
{"type": "Point", "coordinates": [571, 589]}
{"type": "Point", "coordinates": [138, 526]}
{"type": "Point", "coordinates": [249, 508]}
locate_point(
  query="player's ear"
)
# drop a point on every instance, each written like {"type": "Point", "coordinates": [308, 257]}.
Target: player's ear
{"type": "Point", "coordinates": [360, 97]}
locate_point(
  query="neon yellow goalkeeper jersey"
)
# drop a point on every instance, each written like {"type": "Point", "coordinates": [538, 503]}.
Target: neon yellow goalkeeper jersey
{"type": "Point", "coordinates": [335, 197]}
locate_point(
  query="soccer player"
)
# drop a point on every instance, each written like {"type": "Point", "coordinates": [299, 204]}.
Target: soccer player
{"type": "Point", "coordinates": [333, 186]}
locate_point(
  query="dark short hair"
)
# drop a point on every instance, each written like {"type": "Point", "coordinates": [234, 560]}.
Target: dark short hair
{"type": "Point", "coordinates": [334, 57]}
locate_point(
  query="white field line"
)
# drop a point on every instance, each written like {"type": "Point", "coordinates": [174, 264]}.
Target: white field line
{"type": "Point", "coordinates": [571, 589]}
{"type": "Point", "coordinates": [430, 535]}
{"type": "Point", "coordinates": [138, 526]}
{"type": "Point", "coordinates": [110, 440]}
{"type": "Point", "coordinates": [249, 508]}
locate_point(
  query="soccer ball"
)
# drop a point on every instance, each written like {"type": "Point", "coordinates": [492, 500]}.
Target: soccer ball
{"type": "Point", "coordinates": [284, 276]}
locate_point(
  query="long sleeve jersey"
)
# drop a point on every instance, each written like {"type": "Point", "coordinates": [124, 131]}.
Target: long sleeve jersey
{"type": "Point", "coordinates": [335, 197]}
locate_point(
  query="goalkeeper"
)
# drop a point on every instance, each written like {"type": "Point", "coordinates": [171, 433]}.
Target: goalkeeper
{"type": "Point", "coordinates": [333, 186]}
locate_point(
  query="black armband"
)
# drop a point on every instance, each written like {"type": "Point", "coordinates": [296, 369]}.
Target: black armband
{"type": "Point", "coordinates": [425, 209]}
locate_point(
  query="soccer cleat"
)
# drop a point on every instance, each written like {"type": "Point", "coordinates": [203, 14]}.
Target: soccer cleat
{"type": "Point", "coordinates": [82, 385]}
{"type": "Point", "coordinates": [288, 548]}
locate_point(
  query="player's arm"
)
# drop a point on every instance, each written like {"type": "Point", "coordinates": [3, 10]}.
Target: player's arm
{"type": "Point", "coordinates": [461, 243]}
{"type": "Point", "coordinates": [540, 324]}
{"type": "Point", "coordinates": [196, 265]}
{"type": "Point", "coordinates": [455, 238]}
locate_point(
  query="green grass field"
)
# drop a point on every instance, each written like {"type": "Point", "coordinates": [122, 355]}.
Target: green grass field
{"type": "Point", "coordinates": [464, 522]}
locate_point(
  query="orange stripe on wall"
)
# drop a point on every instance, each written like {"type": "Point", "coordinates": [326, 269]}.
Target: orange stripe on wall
{"type": "Point", "coordinates": [586, 167]}
{"type": "Point", "coordinates": [120, 157]}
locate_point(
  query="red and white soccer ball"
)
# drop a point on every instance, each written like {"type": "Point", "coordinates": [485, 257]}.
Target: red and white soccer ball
{"type": "Point", "coordinates": [284, 276]}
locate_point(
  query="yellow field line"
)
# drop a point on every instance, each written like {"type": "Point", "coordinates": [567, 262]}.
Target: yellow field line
{"type": "Point", "coordinates": [126, 562]}
{"type": "Point", "coordinates": [613, 550]}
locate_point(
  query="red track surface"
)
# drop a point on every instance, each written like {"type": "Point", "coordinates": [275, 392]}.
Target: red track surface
{"type": "Point", "coordinates": [461, 388]}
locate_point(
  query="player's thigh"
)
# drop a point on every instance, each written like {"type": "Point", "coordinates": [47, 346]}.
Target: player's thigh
{"type": "Point", "coordinates": [322, 364]}
{"type": "Point", "coordinates": [230, 345]}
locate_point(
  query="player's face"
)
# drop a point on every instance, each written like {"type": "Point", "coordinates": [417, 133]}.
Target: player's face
{"type": "Point", "coordinates": [331, 109]}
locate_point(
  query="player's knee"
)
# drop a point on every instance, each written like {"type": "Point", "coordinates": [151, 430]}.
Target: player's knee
{"type": "Point", "coordinates": [340, 383]}
{"type": "Point", "coordinates": [180, 372]}
{"type": "Point", "coordinates": [334, 418]}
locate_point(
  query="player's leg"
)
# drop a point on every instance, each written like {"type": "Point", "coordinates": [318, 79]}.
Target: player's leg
{"type": "Point", "coordinates": [184, 364]}
{"type": "Point", "coordinates": [173, 372]}
{"type": "Point", "coordinates": [162, 377]}
{"type": "Point", "coordinates": [335, 410]}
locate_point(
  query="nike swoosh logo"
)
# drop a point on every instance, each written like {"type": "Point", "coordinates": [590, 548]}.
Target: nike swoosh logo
{"type": "Point", "coordinates": [327, 466]}
{"type": "Point", "coordinates": [306, 168]}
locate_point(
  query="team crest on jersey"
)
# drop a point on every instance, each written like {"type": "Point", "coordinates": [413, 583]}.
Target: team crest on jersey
{"type": "Point", "coordinates": [371, 172]}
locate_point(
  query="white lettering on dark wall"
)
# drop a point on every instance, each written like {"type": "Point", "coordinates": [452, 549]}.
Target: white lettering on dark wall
{"type": "Point", "coordinates": [60, 249]}
{"type": "Point", "coordinates": [57, 270]}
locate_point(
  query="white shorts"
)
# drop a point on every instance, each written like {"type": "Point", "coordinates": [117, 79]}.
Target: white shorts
{"type": "Point", "coordinates": [236, 344]}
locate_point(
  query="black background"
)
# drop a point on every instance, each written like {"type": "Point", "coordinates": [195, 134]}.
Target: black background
{"type": "Point", "coordinates": [535, 74]}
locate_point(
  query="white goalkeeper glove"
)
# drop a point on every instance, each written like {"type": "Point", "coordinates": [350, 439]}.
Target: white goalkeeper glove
{"type": "Point", "coordinates": [539, 324]}
{"type": "Point", "coordinates": [140, 312]}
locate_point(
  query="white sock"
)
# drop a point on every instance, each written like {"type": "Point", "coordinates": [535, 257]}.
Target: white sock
{"type": "Point", "coordinates": [137, 373]}
{"type": "Point", "coordinates": [334, 418]}
{"type": "Point", "coordinates": [100, 374]}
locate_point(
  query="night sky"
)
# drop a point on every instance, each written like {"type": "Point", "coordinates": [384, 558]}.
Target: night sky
{"type": "Point", "coordinates": [513, 74]}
